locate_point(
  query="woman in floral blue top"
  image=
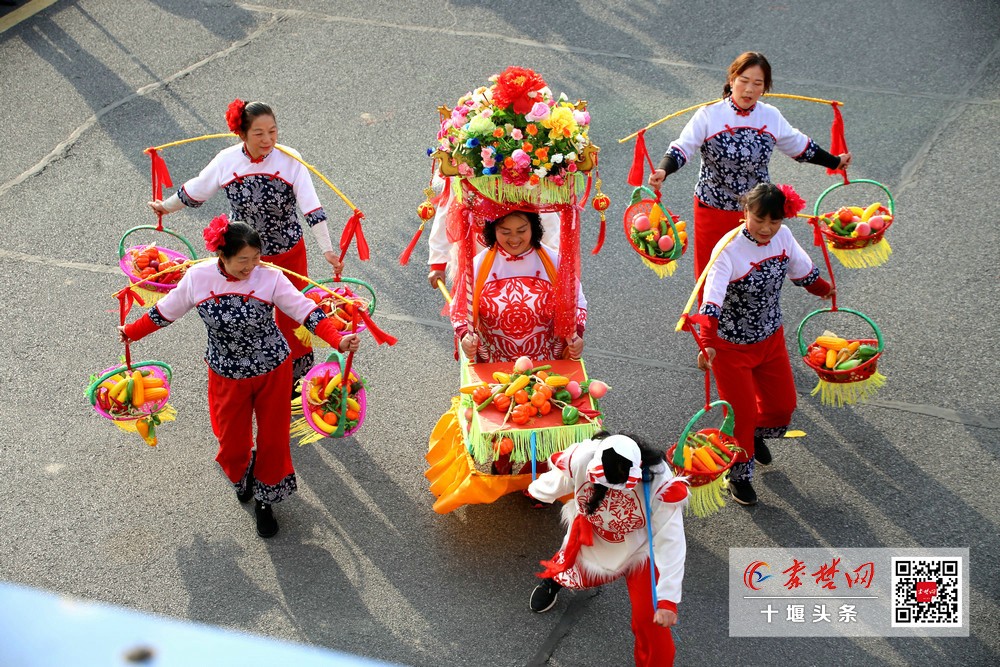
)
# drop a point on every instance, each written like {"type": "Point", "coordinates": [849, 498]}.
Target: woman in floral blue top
{"type": "Point", "coordinates": [736, 137]}
{"type": "Point", "coordinates": [249, 360]}
{"type": "Point", "coordinates": [268, 189]}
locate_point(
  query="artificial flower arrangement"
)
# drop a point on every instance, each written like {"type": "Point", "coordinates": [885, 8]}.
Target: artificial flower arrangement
{"type": "Point", "coordinates": [516, 131]}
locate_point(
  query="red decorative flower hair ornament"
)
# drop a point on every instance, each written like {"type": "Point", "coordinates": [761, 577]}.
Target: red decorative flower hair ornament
{"type": "Point", "coordinates": [793, 202]}
{"type": "Point", "coordinates": [215, 233]}
{"type": "Point", "coordinates": [234, 115]}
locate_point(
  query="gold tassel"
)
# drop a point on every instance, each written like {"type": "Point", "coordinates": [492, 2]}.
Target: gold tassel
{"type": "Point", "coordinates": [661, 270]}
{"type": "Point", "coordinates": [302, 333]}
{"type": "Point", "coordinates": [305, 433]}
{"type": "Point", "coordinates": [875, 254]}
{"type": "Point", "coordinates": [707, 499]}
{"type": "Point", "coordinates": [848, 393]}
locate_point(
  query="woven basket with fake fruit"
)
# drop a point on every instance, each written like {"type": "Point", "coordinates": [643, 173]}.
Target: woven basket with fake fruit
{"type": "Point", "coordinates": [847, 367]}
{"type": "Point", "coordinates": [331, 405]}
{"type": "Point", "coordinates": [658, 235]}
{"type": "Point", "coordinates": [704, 457]}
{"type": "Point", "coordinates": [153, 269]}
{"type": "Point", "coordinates": [855, 235]}
{"type": "Point", "coordinates": [339, 303]}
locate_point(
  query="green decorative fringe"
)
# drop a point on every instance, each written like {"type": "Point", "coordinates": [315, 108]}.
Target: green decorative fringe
{"type": "Point", "coordinates": [848, 393]}
{"type": "Point", "coordinates": [546, 192]}
{"type": "Point", "coordinates": [707, 499]}
{"type": "Point", "coordinates": [875, 254]}
{"type": "Point", "coordinates": [548, 441]}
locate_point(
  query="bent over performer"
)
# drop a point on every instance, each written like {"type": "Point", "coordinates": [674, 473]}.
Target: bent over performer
{"type": "Point", "coordinates": [608, 534]}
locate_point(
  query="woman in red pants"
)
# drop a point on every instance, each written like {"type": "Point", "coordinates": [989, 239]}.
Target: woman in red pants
{"type": "Point", "coordinates": [736, 137]}
{"type": "Point", "coordinates": [267, 189]}
{"type": "Point", "coordinates": [741, 329]}
{"type": "Point", "coordinates": [249, 361]}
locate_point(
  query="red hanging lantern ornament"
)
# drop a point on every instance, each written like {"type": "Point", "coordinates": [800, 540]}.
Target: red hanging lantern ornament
{"type": "Point", "coordinates": [600, 202]}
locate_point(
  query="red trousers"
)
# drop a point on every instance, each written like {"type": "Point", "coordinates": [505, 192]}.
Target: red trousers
{"type": "Point", "coordinates": [293, 260]}
{"type": "Point", "coordinates": [757, 381]}
{"type": "Point", "coordinates": [654, 645]}
{"type": "Point", "coordinates": [233, 404]}
{"type": "Point", "coordinates": [710, 225]}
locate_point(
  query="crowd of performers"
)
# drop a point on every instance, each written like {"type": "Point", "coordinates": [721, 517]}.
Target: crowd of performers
{"type": "Point", "coordinates": [254, 357]}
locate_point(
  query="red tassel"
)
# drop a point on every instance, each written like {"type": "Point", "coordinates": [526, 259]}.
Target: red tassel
{"type": "Point", "coordinates": [347, 234]}
{"type": "Point", "coordinates": [581, 533]}
{"type": "Point", "coordinates": [838, 143]}
{"type": "Point", "coordinates": [600, 237]}
{"type": "Point", "coordinates": [636, 172]}
{"type": "Point", "coordinates": [404, 259]}
{"type": "Point", "coordinates": [378, 334]}
{"type": "Point", "coordinates": [364, 253]}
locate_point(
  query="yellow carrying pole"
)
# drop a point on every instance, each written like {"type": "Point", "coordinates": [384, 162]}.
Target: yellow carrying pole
{"type": "Point", "coordinates": [705, 104]}
{"type": "Point", "coordinates": [444, 291]}
{"type": "Point", "coordinates": [704, 274]}
{"type": "Point", "coordinates": [281, 148]}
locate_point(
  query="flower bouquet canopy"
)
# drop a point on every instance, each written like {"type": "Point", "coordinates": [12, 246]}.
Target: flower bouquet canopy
{"type": "Point", "coordinates": [514, 142]}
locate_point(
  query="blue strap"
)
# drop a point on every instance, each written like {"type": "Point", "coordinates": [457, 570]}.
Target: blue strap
{"type": "Point", "coordinates": [534, 458]}
{"type": "Point", "coordinates": [647, 477]}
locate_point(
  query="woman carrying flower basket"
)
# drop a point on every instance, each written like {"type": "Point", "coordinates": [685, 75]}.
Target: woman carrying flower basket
{"type": "Point", "coordinates": [267, 189]}
{"type": "Point", "coordinates": [249, 365]}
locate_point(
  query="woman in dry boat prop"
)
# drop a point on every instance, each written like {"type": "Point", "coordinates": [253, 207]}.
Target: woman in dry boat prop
{"type": "Point", "coordinates": [249, 364]}
{"type": "Point", "coordinates": [512, 302]}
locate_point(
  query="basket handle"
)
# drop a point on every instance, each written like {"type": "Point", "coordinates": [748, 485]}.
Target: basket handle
{"type": "Point", "coordinates": [728, 424]}
{"type": "Point", "coordinates": [353, 281]}
{"type": "Point", "coordinates": [342, 417]}
{"type": "Point", "coordinates": [803, 348]}
{"type": "Point", "coordinates": [121, 244]}
{"type": "Point", "coordinates": [819, 200]}
{"type": "Point", "coordinates": [91, 392]}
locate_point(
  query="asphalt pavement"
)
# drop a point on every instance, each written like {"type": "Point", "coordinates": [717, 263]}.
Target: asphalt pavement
{"type": "Point", "coordinates": [362, 564]}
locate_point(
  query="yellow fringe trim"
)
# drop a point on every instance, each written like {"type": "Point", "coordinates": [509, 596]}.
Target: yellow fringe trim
{"type": "Point", "coordinates": [149, 296]}
{"type": "Point", "coordinates": [305, 433]}
{"type": "Point", "coordinates": [848, 393]}
{"type": "Point", "coordinates": [707, 499]}
{"type": "Point", "coordinates": [661, 270]}
{"type": "Point", "coordinates": [859, 258]}
{"type": "Point", "coordinates": [166, 414]}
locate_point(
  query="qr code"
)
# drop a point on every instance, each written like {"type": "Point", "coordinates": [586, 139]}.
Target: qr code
{"type": "Point", "coordinates": [927, 592]}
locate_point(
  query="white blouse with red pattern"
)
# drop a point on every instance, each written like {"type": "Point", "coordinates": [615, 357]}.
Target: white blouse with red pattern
{"type": "Point", "coordinates": [517, 309]}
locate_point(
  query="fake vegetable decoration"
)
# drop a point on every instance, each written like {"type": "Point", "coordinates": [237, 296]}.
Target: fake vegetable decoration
{"type": "Point", "coordinates": [847, 368]}
{"type": "Point", "coordinates": [339, 303]}
{"type": "Point", "coordinates": [134, 398]}
{"type": "Point", "coordinates": [330, 405]}
{"type": "Point", "coordinates": [658, 235]}
{"type": "Point", "coordinates": [703, 457]}
{"type": "Point", "coordinates": [153, 269]}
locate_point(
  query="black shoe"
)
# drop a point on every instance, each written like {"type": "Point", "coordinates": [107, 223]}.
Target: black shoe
{"type": "Point", "coordinates": [267, 526]}
{"type": "Point", "coordinates": [760, 451]}
{"type": "Point", "coordinates": [743, 492]}
{"type": "Point", "coordinates": [544, 596]}
{"type": "Point", "coordinates": [248, 491]}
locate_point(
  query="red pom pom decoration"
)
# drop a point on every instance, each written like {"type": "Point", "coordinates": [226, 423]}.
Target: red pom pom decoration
{"type": "Point", "coordinates": [234, 115]}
